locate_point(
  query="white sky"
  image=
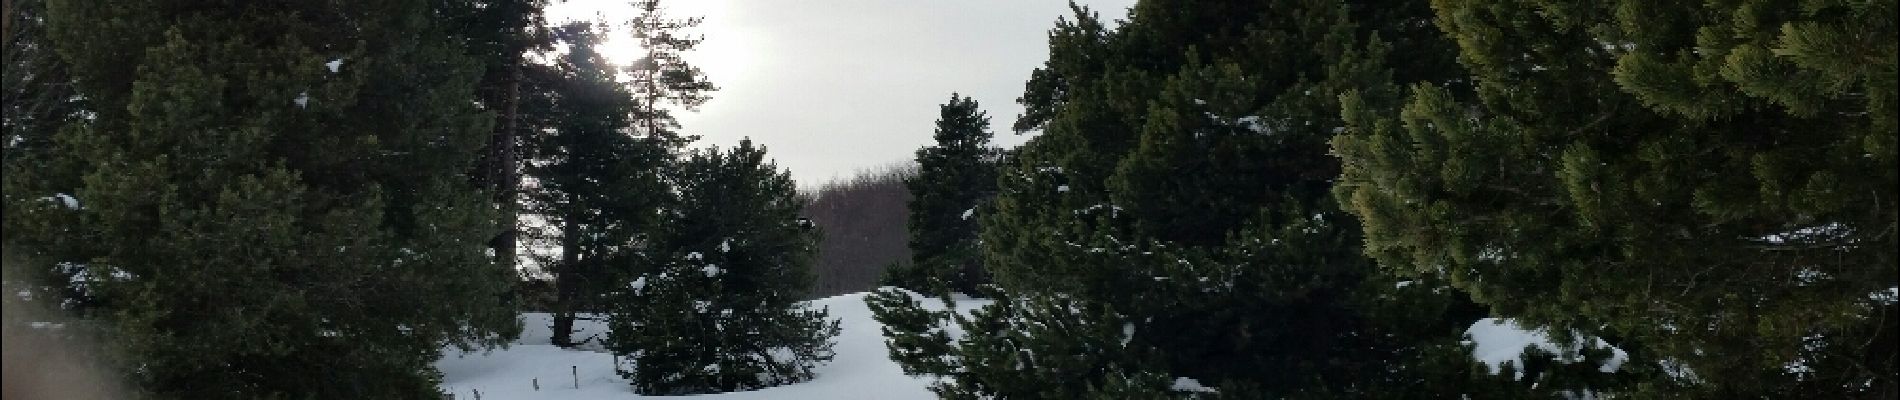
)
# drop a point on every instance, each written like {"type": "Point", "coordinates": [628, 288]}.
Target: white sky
{"type": "Point", "coordinates": [833, 87]}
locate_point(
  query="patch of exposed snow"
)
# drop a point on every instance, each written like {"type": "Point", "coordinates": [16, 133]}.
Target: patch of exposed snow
{"type": "Point", "coordinates": [67, 200]}
{"type": "Point", "coordinates": [861, 368]}
{"type": "Point", "coordinates": [1818, 233]}
{"type": "Point", "coordinates": [1799, 369]}
{"type": "Point", "coordinates": [302, 100]}
{"type": "Point", "coordinates": [725, 245]}
{"type": "Point", "coordinates": [1885, 297]}
{"type": "Point", "coordinates": [1186, 384]}
{"type": "Point", "coordinates": [969, 212]}
{"type": "Point", "coordinates": [711, 270]}
{"type": "Point", "coordinates": [1255, 124]}
{"type": "Point", "coordinates": [1500, 340]}
{"type": "Point", "coordinates": [1062, 189]}
{"type": "Point", "coordinates": [1808, 276]}
{"type": "Point", "coordinates": [334, 65]}
{"type": "Point", "coordinates": [695, 256]}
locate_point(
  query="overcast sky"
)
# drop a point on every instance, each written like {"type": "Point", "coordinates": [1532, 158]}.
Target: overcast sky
{"type": "Point", "coordinates": [832, 87]}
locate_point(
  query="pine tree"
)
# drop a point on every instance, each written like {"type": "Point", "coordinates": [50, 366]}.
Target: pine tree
{"type": "Point", "coordinates": [36, 101]}
{"type": "Point", "coordinates": [953, 179]}
{"type": "Point", "coordinates": [662, 78]}
{"type": "Point", "coordinates": [718, 311]}
{"type": "Point", "coordinates": [272, 201]}
{"type": "Point", "coordinates": [1173, 222]}
{"type": "Point", "coordinates": [502, 34]}
{"type": "Point", "coordinates": [1713, 184]}
{"type": "Point", "coordinates": [599, 187]}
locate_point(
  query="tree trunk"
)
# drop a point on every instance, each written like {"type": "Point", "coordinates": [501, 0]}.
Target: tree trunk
{"type": "Point", "coordinates": [507, 174]}
{"type": "Point", "coordinates": [566, 286]}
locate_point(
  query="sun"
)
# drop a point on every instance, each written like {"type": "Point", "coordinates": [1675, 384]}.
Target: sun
{"type": "Point", "coordinates": [716, 54]}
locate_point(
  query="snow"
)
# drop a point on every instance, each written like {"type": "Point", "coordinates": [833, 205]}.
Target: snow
{"type": "Point", "coordinates": [71, 203]}
{"type": "Point", "coordinates": [638, 284]}
{"type": "Point", "coordinates": [333, 65]}
{"type": "Point", "coordinates": [1255, 124]}
{"type": "Point", "coordinates": [1809, 276]}
{"type": "Point", "coordinates": [862, 368]}
{"type": "Point", "coordinates": [1885, 297]}
{"type": "Point", "coordinates": [725, 246]}
{"type": "Point", "coordinates": [302, 100]}
{"type": "Point", "coordinates": [695, 256]}
{"type": "Point", "coordinates": [969, 212]}
{"type": "Point", "coordinates": [1186, 384]}
{"type": "Point", "coordinates": [1063, 188]}
{"type": "Point", "coordinates": [1813, 234]}
{"type": "Point", "coordinates": [711, 270]}
{"type": "Point", "coordinates": [1500, 340]}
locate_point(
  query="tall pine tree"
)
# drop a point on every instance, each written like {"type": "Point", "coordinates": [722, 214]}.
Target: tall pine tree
{"type": "Point", "coordinates": [272, 203]}
{"type": "Point", "coordinates": [954, 178]}
{"type": "Point", "coordinates": [502, 35]}
{"type": "Point", "coordinates": [718, 310]}
{"type": "Point", "coordinates": [662, 78]}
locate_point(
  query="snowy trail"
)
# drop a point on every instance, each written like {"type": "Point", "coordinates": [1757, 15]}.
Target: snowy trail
{"type": "Point", "coordinates": [861, 370]}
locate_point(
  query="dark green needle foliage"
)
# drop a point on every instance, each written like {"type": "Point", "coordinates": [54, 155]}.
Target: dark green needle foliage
{"type": "Point", "coordinates": [600, 187]}
{"type": "Point", "coordinates": [1712, 183]}
{"type": "Point", "coordinates": [954, 178]}
{"type": "Point", "coordinates": [1173, 223]}
{"type": "Point", "coordinates": [719, 309]}
{"type": "Point", "coordinates": [272, 200]}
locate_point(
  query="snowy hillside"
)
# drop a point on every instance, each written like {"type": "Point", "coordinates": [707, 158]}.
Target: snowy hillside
{"type": "Point", "coordinates": [862, 369]}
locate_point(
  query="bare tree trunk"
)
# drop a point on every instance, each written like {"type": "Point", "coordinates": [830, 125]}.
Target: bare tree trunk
{"type": "Point", "coordinates": [6, 21]}
{"type": "Point", "coordinates": [566, 285]}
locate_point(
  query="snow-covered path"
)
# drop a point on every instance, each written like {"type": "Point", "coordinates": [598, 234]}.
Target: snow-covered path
{"type": "Point", "coordinates": [862, 369]}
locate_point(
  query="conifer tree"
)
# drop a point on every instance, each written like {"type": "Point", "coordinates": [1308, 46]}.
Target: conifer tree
{"type": "Point", "coordinates": [718, 310]}
{"type": "Point", "coordinates": [1713, 184]}
{"type": "Point", "coordinates": [599, 186]}
{"type": "Point", "coordinates": [1172, 225]}
{"type": "Point", "coordinates": [273, 202]}
{"type": "Point", "coordinates": [501, 35]}
{"type": "Point", "coordinates": [953, 179]}
{"type": "Point", "coordinates": [662, 78]}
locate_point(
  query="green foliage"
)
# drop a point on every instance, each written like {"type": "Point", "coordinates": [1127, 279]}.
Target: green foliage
{"type": "Point", "coordinates": [599, 187]}
{"type": "Point", "coordinates": [718, 311]}
{"type": "Point", "coordinates": [662, 77]}
{"type": "Point", "coordinates": [1714, 184]}
{"type": "Point", "coordinates": [954, 178]}
{"type": "Point", "coordinates": [272, 201]}
{"type": "Point", "coordinates": [1173, 221]}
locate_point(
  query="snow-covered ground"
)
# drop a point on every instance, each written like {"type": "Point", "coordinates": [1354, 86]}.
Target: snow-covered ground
{"type": "Point", "coordinates": [862, 370]}
{"type": "Point", "coordinates": [1497, 341]}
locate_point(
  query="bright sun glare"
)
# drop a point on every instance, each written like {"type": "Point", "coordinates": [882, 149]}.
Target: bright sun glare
{"type": "Point", "coordinates": [622, 50]}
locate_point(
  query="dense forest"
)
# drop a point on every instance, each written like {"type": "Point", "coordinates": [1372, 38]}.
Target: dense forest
{"type": "Point", "coordinates": [1216, 199]}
